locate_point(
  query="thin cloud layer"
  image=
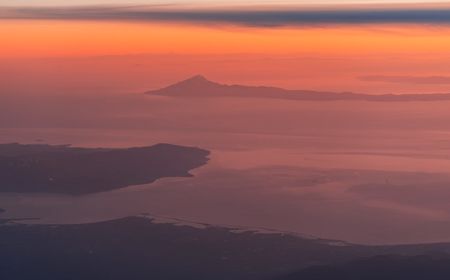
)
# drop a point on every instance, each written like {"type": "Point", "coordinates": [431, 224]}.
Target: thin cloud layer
{"type": "Point", "coordinates": [442, 80]}
{"type": "Point", "coordinates": [248, 17]}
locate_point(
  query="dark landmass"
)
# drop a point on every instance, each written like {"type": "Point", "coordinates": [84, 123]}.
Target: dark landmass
{"type": "Point", "coordinates": [137, 248]}
{"type": "Point", "coordinates": [199, 86]}
{"type": "Point", "coordinates": [77, 171]}
{"type": "Point", "coordinates": [11, 221]}
{"type": "Point", "coordinates": [388, 267]}
{"type": "Point", "coordinates": [2, 221]}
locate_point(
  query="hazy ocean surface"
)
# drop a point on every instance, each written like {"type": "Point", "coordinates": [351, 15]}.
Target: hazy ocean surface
{"type": "Point", "coordinates": [364, 172]}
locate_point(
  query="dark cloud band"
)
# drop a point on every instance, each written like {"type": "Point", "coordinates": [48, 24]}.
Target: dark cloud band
{"type": "Point", "coordinates": [293, 17]}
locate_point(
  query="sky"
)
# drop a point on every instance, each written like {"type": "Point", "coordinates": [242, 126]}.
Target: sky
{"type": "Point", "coordinates": [383, 47]}
{"type": "Point", "coordinates": [209, 2]}
{"type": "Point", "coordinates": [90, 2]}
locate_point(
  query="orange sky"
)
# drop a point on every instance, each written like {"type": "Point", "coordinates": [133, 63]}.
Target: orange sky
{"type": "Point", "coordinates": [323, 58]}
{"type": "Point", "coordinates": [54, 38]}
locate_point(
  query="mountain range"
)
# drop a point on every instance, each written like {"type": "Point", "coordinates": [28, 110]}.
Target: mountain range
{"type": "Point", "coordinates": [200, 87]}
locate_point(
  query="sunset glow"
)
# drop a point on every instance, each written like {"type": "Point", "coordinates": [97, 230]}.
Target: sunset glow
{"type": "Point", "coordinates": [316, 53]}
{"type": "Point", "coordinates": [225, 139]}
{"type": "Point", "coordinates": [50, 38]}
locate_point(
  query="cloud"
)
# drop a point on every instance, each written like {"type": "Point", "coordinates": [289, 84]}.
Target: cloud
{"type": "Point", "coordinates": [244, 17]}
{"type": "Point", "coordinates": [436, 80]}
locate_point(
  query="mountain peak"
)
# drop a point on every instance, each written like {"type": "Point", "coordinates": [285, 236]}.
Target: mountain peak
{"type": "Point", "coordinates": [196, 85]}
{"type": "Point", "coordinates": [198, 78]}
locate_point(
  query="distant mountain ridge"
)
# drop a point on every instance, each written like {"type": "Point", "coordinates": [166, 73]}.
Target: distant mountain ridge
{"type": "Point", "coordinates": [432, 266]}
{"type": "Point", "coordinates": [199, 86]}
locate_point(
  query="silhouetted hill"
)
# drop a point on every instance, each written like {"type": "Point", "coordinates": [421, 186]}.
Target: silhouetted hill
{"type": "Point", "coordinates": [387, 267]}
{"type": "Point", "coordinates": [135, 248]}
{"type": "Point", "coordinates": [199, 86]}
{"type": "Point", "coordinates": [138, 248]}
{"type": "Point", "coordinates": [68, 170]}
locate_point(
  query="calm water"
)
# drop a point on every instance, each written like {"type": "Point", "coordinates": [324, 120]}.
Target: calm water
{"type": "Point", "coordinates": [361, 172]}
